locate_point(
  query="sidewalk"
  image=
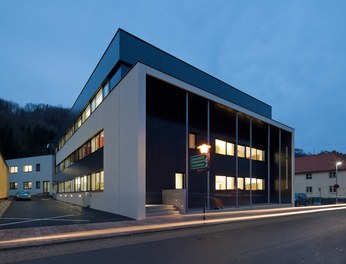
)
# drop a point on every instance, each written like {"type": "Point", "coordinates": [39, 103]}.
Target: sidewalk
{"type": "Point", "coordinates": [26, 237]}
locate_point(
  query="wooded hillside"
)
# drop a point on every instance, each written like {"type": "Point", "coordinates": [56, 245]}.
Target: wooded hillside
{"type": "Point", "coordinates": [26, 131]}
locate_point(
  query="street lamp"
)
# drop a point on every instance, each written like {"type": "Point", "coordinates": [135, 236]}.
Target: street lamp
{"type": "Point", "coordinates": [204, 149]}
{"type": "Point", "coordinates": [337, 164]}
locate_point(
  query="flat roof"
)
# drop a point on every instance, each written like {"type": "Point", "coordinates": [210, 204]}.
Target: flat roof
{"type": "Point", "coordinates": [126, 49]}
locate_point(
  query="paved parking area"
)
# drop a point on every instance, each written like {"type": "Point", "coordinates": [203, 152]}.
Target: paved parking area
{"type": "Point", "coordinates": [48, 212]}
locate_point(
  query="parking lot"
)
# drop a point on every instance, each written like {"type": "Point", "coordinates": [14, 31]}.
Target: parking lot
{"type": "Point", "coordinates": [47, 212]}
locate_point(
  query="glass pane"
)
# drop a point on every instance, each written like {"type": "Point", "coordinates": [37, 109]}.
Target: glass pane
{"type": "Point", "coordinates": [220, 182]}
{"type": "Point", "coordinates": [220, 147]}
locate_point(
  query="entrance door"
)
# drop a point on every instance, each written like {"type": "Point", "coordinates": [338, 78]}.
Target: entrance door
{"type": "Point", "coordinates": [46, 186]}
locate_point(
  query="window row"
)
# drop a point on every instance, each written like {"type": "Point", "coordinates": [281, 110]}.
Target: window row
{"type": "Point", "coordinates": [90, 108]}
{"type": "Point", "coordinates": [26, 168]}
{"type": "Point", "coordinates": [227, 148]}
{"type": "Point", "coordinates": [89, 147]}
{"type": "Point", "coordinates": [229, 183]}
{"type": "Point", "coordinates": [91, 182]}
{"type": "Point", "coordinates": [28, 185]}
{"type": "Point", "coordinates": [332, 189]}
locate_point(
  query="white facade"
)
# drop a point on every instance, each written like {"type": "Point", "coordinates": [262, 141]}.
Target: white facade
{"type": "Point", "coordinates": [319, 184]}
{"type": "Point", "coordinates": [33, 174]}
{"type": "Point", "coordinates": [121, 116]}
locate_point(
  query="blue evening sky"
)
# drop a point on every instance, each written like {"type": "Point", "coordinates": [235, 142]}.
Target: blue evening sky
{"type": "Point", "coordinates": [289, 54]}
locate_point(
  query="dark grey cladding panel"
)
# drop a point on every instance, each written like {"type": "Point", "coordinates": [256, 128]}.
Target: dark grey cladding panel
{"type": "Point", "coordinates": [133, 50]}
{"type": "Point", "coordinates": [90, 164]}
{"type": "Point", "coordinates": [126, 49]}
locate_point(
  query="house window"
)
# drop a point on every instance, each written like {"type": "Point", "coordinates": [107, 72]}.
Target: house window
{"type": "Point", "coordinates": [332, 189]}
{"type": "Point", "coordinates": [332, 174]}
{"type": "Point", "coordinates": [308, 176]}
{"type": "Point", "coordinates": [13, 185]}
{"type": "Point", "coordinates": [309, 189]}
{"type": "Point", "coordinates": [27, 185]}
{"type": "Point", "coordinates": [224, 183]}
{"type": "Point", "coordinates": [192, 141]}
{"type": "Point", "coordinates": [220, 147]}
{"type": "Point", "coordinates": [27, 168]}
{"type": "Point", "coordinates": [38, 167]}
{"type": "Point", "coordinates": [230, 149]}
{"type": "Point", "coordinates": [14, 169]}
{"type": "Point", "coordinates": [241, 151]}
{"type": "Point", "coordinates": [240, 184]}
{"type": "Point", "coordinates": [179, 181]}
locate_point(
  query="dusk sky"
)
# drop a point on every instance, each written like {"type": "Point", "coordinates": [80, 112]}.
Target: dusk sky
{"type": "Point", "coordinates": [289, 54]}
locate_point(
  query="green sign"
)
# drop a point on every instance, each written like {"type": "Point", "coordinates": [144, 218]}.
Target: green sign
{"type": "Point", "coordinates": [199, 162]}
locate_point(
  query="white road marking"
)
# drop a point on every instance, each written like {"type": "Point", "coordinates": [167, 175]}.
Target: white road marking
{"type": "Point", "coordinates": [29, 220]}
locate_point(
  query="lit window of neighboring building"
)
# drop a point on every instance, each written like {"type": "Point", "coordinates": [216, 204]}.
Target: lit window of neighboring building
{"type": "Point", "coordinates": [27, 168]}
{"type": "Point", "coordinates": [14, 169]}
{"type": "Point", "coordinates": [13, 185]}
{"type": "Point", "coordinates": [27, 185]}
{"type": "Point", "coordinates": [240, 184]}
{"type": "Point", "coordinates": [224, 183]}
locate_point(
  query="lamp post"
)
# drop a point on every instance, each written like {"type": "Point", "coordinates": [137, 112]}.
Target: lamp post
{"type": "Point", "coordinates": [204, 149]}
{"type": "Point", "coordinates": [336, 186]}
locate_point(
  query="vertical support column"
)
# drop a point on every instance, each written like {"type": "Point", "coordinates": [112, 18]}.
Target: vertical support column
{"type": "Point", "coordinates": [268, 160]}
{"type": "Point", "coordinates": [279, 166]}
{"type": "Point", "coordinates": [236, 161]}
{"type": "Point", "coordinates": [250, 161]}
{"type": "Point", "coordinates": [208, 171]}
{"type": "Point", "coordinates": [187, 151]}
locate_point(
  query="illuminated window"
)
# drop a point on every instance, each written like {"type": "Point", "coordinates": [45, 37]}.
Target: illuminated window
{"type": "Point", "coordinates": [14, 169]}
{"type": "Point", "coordinates": [250, 184]}
{"type": "Point", "coordinates": [102, 139]}
{"type": "Point", "coordinates": [260, 185]}
{"type": "Point", "coordinates": [77, 184]}
{"type": "Point", "coordinates": [241, 151]}
{"type": "Point", "coordinates": [230, 183]}
{"type": "Point", "coordinates": [99, 98]}
{"type": "Point", "coordinates": [27, 185]}
{"type": "Point", "coordinates": [192, 141]}
{"type": "Point", "coordinates": [230, 149]}
{"type": "Point", "coordinates": [13, 185]}
{"type": "Point", "coordinates": [224, 183]}
{"type": "Point", "coordinates": [248, 151]}
{"type": "Point", "coordinates": [179, 181]}
{"type": "Point", "coordinates": [260, 155]}
{"type": "Point", "coordinates": [220, 182]}
{"type": "Point", "coordinates": [220, 147]}
{"type": "Point", "coordinates": [93, 182]}
{"type": "Point", "coordinates": [240, 184]}
{"type": "Point", "coordinates": [27, 168]}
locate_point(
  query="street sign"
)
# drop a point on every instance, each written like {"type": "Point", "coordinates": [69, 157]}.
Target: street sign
{"type": "Point", "coordinates": [199, 162]}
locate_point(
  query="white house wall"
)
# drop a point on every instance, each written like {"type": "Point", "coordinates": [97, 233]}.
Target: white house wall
{"type": "Point", "coordinates": [320, 180]}
{"type": "Point", "coordinates": [45, 173]}
{"type": "Point", "coordinates": [122, 117]}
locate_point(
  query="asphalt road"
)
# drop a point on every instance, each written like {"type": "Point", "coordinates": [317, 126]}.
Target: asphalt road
{"type": "Point", "coordinates": [46, 212]}
{"type": "Point", "coordinates": [311, 238]}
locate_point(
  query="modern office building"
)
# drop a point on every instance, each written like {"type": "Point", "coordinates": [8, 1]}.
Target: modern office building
{"type": "Point", "coordinates": [317, 175]}
{"type": "Point", "coordinates": [33, 174]}
{"type": "Point", "coordinates": [132, 138]}
{"type": "Point", "coordinates": [3, 178]}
